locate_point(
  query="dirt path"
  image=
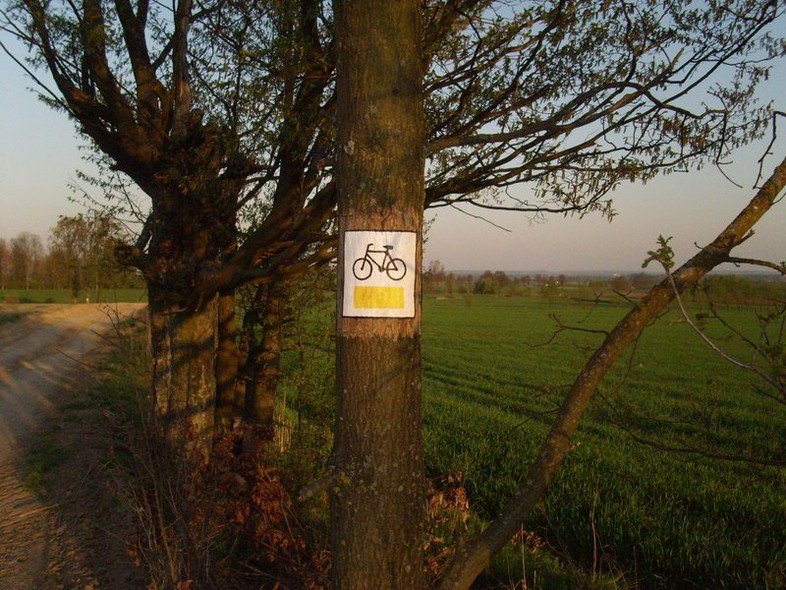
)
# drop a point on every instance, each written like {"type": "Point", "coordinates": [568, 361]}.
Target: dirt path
{"type": "Point", "coordinates": [41, 366]}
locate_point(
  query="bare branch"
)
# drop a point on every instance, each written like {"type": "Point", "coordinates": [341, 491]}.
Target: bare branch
{"type": "Point", "coordinates": [723, 354]}
{"type": "Point", "coordinates": [693, 450]}
{"type": "Point", "coordinates": [181, 86]}
{"type": "Point", "coordinates": [779, 267]}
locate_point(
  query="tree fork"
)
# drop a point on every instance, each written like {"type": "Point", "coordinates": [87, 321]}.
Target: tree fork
{"type": "Point", "coordinates": [378, 501]}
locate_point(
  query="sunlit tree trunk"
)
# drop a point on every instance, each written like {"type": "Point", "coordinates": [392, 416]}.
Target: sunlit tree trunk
{"type": "Point", "coordinates": [183, 345]}
{"type": "Point", "coordinates": [184, 322]}
{"type": "Point", "coordinates": [378, 500]}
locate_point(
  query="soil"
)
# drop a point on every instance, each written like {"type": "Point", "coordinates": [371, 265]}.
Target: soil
{"type": "Point", "coordinates": [62, 526]}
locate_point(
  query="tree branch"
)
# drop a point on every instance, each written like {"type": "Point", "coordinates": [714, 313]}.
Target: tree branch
{"type": "Point", "coordinates": [181, 85]}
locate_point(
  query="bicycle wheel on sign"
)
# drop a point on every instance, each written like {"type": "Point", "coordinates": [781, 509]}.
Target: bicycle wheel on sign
{"type": "Point", "coordinates": [396, 269]}
{"type": "Point", "coordinates": [361, 268]}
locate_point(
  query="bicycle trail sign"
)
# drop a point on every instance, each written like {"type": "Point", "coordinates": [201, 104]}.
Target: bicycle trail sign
{"type": "Point", "coordinates": [379, 274]}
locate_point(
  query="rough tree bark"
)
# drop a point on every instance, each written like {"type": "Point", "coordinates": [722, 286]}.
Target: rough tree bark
{"type": "Point", "coordinates": [183, 343]}
{"type": "Point", "coordinates": [263, 365]}
{"type": "Point", "coordinates": [471, 559]}
{"type": "Point", "coordinates": [378, 500]}
{"type": "Point", "coordinates": [193, 226]}
{"type": "Point", "coordinates": [227, 363]}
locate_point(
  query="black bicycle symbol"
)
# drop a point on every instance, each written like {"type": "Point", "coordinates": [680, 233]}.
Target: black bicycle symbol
{"type": "Point", "coordinates": [364, 266]}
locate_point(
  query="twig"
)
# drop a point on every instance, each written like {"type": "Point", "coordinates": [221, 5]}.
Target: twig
{"type": "Point", "coordinates": [322, 484]}
{"type": "Point", "coordinates": [779, 267]}
{"type": "Point", "coordinates": [76, 360]}
{"type": "Point", "coordinates": [711, 344]}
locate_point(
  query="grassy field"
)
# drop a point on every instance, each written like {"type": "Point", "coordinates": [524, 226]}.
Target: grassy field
{"type": "Point", "coordinates": [640, 516]}
{"type": "Point", "coordinates": [64, 296]}
{"type": "Point", "coordinates": [657, 519]}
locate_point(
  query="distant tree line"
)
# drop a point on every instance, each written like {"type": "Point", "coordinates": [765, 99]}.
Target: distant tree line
{"type": "Point", "coordinates": [438, 281]}
{"type": "Point", "coordinates": [79, 255]}
{"type": "Point", "coordinates": [725, 289]}
{"type": "Point", "coordinates": [729, 289]}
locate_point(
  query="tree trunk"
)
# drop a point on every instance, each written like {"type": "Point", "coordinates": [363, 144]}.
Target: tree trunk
{"type": "Point", "coordinates": [378, 500]}
{"type": "Point", "coordinates": [227, 363]}
{"type": "Point", "coordinates": [183, 345]}
{"type": "Point", "coordinates": [193, 230]}
{"type": "Point", "coordinates": [265, 360]}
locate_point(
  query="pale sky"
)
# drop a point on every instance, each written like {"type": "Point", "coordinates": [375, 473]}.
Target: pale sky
{"type": "Point", "coordinates": [39, 157]}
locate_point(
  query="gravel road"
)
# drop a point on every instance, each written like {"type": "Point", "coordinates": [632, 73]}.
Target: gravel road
{"type": "Point", "coordinates": [44, 357]}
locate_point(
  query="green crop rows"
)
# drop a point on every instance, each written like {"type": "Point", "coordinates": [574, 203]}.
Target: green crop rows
{"type": "Point", "coordinates": [666, 519]}
{"type": "Point", "coordinates": [650, 517]}
{"type": "Point", "coordinates": [495, 371]}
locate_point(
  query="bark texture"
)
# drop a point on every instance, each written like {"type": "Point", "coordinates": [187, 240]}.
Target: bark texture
{"type": "Point", "coordinates": [184, 361]}
{"type": "Point", "coordinates": [227, 363]}
{"type": "Point", "coordinates": [264, 360]}
{"type": "Point", "coordinates": [378, 501]}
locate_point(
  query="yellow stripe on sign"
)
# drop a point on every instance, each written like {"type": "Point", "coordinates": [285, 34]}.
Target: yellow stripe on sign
{"type": "Point", "coordinates": [379, 297]}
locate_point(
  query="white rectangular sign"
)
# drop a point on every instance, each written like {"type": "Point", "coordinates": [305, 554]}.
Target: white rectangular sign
{"type": "Point", "coordinates": [379, 274]}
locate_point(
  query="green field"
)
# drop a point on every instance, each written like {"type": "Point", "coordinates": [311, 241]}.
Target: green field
{"type": "Point", "coordinates": [661, 519]}
{"type": "Point", "coordinates": [64, 296]}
